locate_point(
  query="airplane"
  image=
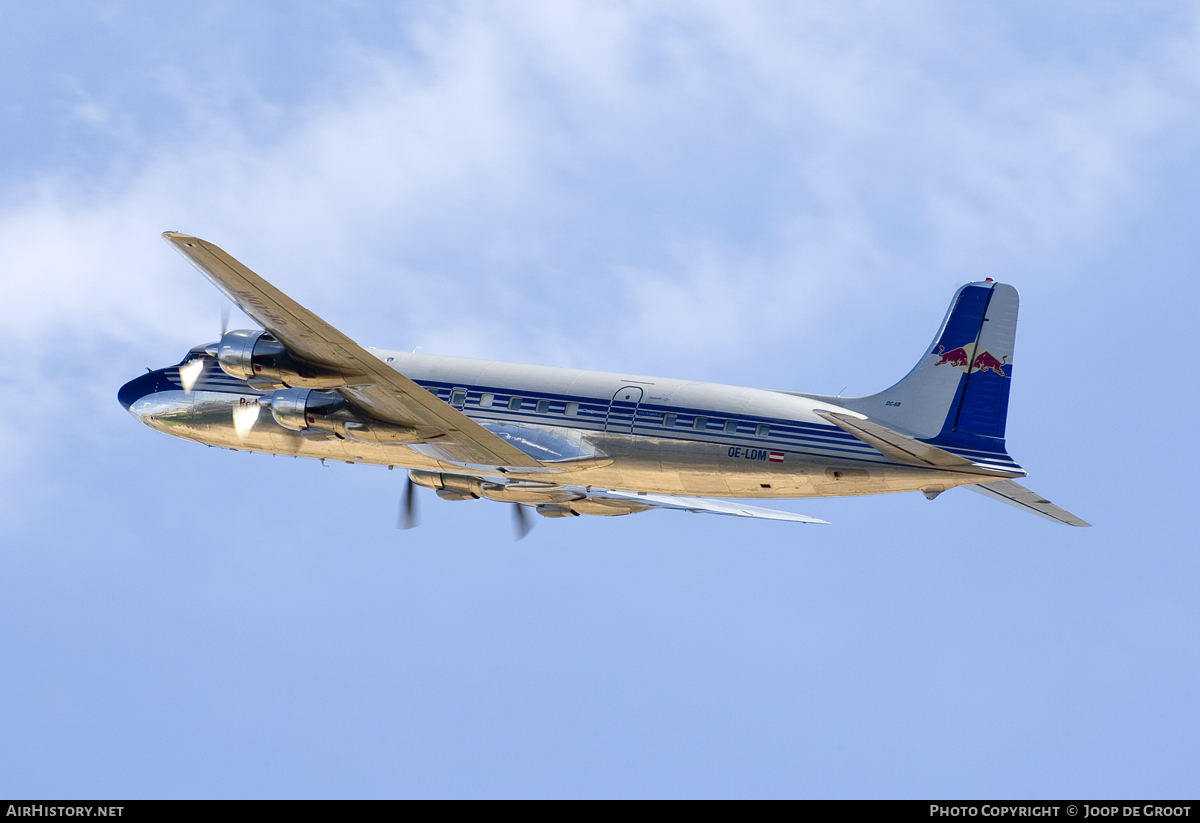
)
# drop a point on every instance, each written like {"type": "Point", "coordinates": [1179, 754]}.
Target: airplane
{"type": "Point", "coordinates": [567, 442]}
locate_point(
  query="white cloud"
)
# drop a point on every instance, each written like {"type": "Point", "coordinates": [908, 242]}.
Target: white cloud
{"type": "Point", "coordinates": [545, 179]}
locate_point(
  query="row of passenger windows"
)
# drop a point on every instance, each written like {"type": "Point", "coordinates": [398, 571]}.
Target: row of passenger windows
{"type": "Point", "coordinates": [729, 426]}
{"type": "Point", "coordinates": [458, 398]}
{"type": "Point", "coordinates": [487, 400]}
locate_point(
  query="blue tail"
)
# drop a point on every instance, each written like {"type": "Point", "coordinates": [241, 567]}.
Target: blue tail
{"type": "Point", "coordinates": [957, 395]}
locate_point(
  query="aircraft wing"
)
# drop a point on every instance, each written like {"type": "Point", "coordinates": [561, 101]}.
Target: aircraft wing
{"type": "Point", "coordinates": [905, 449]}
{"type": "Point", "coordinates": [371, 384]}
{"type": "Point", "coordinates": [1014, 494]}
{"type": "Point", "coordinates": [698, 505]}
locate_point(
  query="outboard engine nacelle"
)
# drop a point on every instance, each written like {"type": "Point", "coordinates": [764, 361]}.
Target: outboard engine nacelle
{"type": "Point", "coordinates": [316, 414]}
{"type": "Point", "coordinates": [448, 486]}
{"type": "Point", "coordinates": [258, 358]}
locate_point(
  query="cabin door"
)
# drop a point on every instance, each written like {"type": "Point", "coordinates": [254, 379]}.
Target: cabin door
{"type": "Point", "coordinates": [622, 409]}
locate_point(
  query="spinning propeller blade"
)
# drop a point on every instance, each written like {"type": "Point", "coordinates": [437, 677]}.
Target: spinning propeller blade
{"type": "Point", "coordinates": [408, 507]}
{"type": "Point", "coordinates": [244, 418]}
{"type": "Point", "coordinates": [190, 372]}
{"type": "Point", "coordinates": [521, 524]}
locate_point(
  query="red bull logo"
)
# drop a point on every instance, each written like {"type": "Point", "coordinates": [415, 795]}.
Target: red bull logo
{"type": "Point", "coordinates": [957, 357]}
{"type": "Point", "coordinates": [984, 361]}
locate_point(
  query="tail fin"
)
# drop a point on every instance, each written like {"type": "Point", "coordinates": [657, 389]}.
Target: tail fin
{"type": "Point", "coordinates": [957, 395]}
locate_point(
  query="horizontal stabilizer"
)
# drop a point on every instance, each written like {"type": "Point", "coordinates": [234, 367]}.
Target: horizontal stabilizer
{"type": "Point", "coordinates": [1014, 494]}
{"type": "Point", "coordinates": [905, 449]}
{"type": "Point", "coordinates": [699, 505]}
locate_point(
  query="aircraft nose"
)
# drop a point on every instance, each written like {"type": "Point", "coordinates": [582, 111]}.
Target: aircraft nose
{"type": "Point", "coordinates": [137, 388]}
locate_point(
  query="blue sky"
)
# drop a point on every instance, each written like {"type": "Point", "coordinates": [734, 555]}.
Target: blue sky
{"type": "Point", "coordinates": [778, 195]}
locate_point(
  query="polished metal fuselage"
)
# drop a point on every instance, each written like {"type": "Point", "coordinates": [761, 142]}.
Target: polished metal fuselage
{"type": "Point", "coordinates": [610, 430]}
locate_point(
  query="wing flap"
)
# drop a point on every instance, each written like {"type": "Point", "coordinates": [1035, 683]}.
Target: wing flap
{"type": "Point", "coordinates": [1014, 494]}
{"type": "Point", "coordinates": [371, 384]}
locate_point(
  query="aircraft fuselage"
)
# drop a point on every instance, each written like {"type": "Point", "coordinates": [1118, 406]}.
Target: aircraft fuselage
{"type": "Point", "coordinates": [625, 432]}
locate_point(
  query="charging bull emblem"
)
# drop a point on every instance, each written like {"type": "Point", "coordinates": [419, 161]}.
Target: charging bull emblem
{"type": "Point", "coordinates": [957, 357]}
{"type": "Point", "coordinates": [984, 361]}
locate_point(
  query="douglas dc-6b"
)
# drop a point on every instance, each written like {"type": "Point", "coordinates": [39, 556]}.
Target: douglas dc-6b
{"type": "Point", "coordinates": [567, 442]}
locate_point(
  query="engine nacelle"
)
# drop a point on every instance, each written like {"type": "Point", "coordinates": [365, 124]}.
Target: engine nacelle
{"type": "Point", "coordinates": [320, 414]}
{"type": "Point", "coordinates": [258, 358]}
{"type": "Point", "coordinates": [448, 486]}
{"type": "Point", "coordinates": [555, 510]}
{"type": "Point", "coordinates": [312, 412]}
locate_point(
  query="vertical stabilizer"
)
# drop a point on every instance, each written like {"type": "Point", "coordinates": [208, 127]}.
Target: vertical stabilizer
{"type": "Point", "coordinates": [957, 395]}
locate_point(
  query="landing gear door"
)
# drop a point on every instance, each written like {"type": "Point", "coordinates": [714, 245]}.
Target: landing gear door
{"type": "Point", "coordinates": [621, 410]}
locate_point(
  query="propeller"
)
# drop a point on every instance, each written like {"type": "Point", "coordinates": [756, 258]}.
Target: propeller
{"type": "Point", "coordinates": [244, 418]}
{"type": "Point", "coordinates": [191, 372]}
{"type": "Point", "coordinates": [408, 507]}
{"type": "Point", "coordinates": [245, 415]}
{"type": "Point", "coordinates": [521, 524]}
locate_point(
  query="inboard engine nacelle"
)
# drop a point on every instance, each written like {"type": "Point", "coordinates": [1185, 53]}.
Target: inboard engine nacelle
{"type": "Point", "coordinates": [326, 415]}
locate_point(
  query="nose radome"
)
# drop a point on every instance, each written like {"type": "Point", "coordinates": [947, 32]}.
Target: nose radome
{"type": "Point", "coordinates": [137, 388]}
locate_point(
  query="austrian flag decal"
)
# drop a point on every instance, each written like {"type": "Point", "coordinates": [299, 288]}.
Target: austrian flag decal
{"type": "Point", "coordinates": [775, 457]}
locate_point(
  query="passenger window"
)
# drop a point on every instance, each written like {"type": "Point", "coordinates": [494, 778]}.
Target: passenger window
{"type": "Point", "coordinates": [572, 409]}
{"type": "Point", "coordinates": [763, 430]}
{"type": "Point", "coordinates": [730, 426]}
{"type": "Point", "coordinates": [700, 424]}
{"type": "Point", "coordinates": [485, 400]}
{"type": "Point", "coordinates": [515, 404]}
{"type": "Point", "coordinates": [458, 397]}
{"type": "Point", "coordinates": [669, 420]}
{"type": "Point", "coordinates": [543, 407]}
{"type": "Point", "coordinates": [432, 390]}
